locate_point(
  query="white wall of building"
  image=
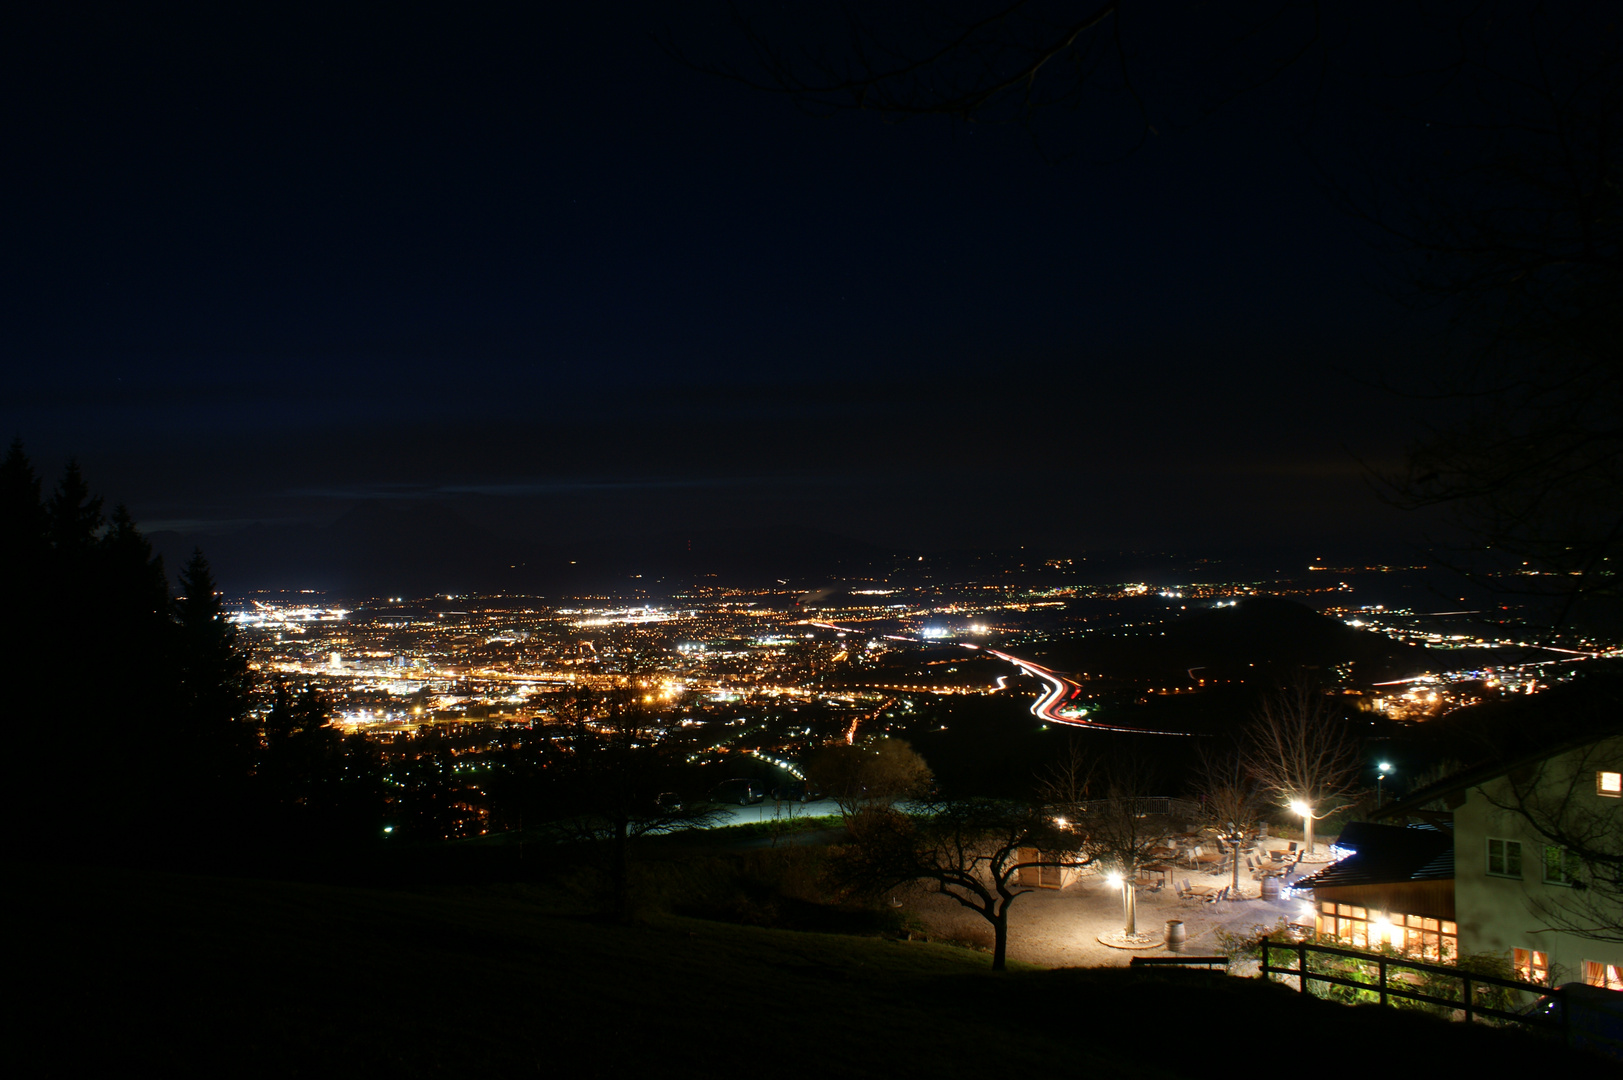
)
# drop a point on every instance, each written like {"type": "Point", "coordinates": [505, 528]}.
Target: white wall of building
{"type": "Point", "coordinates": [1501, 906]}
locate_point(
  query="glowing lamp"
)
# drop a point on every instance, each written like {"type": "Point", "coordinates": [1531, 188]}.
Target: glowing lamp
{"type": "Point", "coordinates": [1300, 807]}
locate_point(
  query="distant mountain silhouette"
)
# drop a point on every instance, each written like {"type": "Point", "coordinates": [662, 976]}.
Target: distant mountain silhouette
{"type": "Point", "coordinates": [376, 548]}
{"type": "Point", "coordinates": [383, 548]}
{"type": "Point", "coordinates": [1235, 642]}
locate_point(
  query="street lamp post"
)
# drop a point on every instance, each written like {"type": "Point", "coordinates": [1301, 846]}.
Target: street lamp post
{"type": "Point", "coordinates": [1129, 902]}
{"type": "Point", "coordinates": [1381, 770]}
{"type": "Point", "coordinates": [1300, 806]}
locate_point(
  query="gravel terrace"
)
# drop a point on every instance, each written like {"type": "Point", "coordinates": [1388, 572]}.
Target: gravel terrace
{"type": "Point", "coordinates": [1061, 927]}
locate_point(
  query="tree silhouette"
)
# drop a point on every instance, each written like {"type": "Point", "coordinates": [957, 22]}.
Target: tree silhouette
{"type": "Point", "coordinates": [1581, 836]}
{"type": "Point", "coordinates": [870, 775]}
{"type": "Point", "coordinates": [214, 683]}
{"type": "Point", "coordinates": [1123, 831]}
{"type": "Point", "coordinates": [1231, 801]}
{"type": "Point", "coordinates": [1092, 63]}
{"type": "Point", "coordinates": [975, 851]}
{"type": "Point", "coordinates": [607, 780]}
{"type": "Point", "coordinates": [131, 707]}
{"type": "Point", "coordinates": [1298, 748]}
{"type": "Point", "coordinates": [1490, 174]}
{"type": "Point", "coordinates": [1507, 230]}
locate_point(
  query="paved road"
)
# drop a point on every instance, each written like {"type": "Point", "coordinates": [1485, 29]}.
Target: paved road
{"type": "Point", "coordinates": [767, 811]}
{"type": "Point", "coordinates": [1060, 694]}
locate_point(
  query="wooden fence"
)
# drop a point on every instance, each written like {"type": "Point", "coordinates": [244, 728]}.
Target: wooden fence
{"type": "Point", "coordinates": [1385, 988]}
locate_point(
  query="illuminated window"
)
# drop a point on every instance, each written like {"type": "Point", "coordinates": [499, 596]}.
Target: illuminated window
{"type": "Point", "coordinates": [1561, 867]}
{"type": "Point", "coordinates": [1433, 939]}
{"type": "Point", "coordinates": [1609, 784]}
{"type": "Point", "coordinates": [1417, 935]}
{"type": "Point", "coordinates": [1605, 976]}
{"type": "Point", "coordinates": [1505, 858]}
{"type": "Point", "coordinates": [1531, 965]}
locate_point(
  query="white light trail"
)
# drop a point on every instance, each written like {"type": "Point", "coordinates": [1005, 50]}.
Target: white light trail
{"type": "Point", "coordinates": [1061, 690]}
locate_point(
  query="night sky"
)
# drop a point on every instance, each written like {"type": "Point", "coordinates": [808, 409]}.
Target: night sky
{"type": "Point", "coordinates": [267, 268]}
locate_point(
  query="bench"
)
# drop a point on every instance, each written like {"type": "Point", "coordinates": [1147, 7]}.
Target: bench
{"type": "Point", "coordinates": [1181, 961]}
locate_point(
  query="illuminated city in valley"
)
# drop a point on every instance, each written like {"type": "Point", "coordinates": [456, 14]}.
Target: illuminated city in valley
{"type": "Point", "coordinates": [566, 538]}
{"type": "Point", "coordinates": [991, 649]}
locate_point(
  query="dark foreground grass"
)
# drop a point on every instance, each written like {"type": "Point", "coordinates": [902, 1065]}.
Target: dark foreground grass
{"type": "Point", "coordinates": [189, 976]}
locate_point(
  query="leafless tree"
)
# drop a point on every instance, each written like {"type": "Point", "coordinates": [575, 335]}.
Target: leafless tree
{"type": "Point", "coordinates": [1121, 832]}
{"type": "Point", "coordinates": [608, 784]}
{"type": "Point", "coordinates": [977, 851]}
{"type": "Point", "coordinates": [1299, 749]}
{"type": "Point", "coordinates": [1109, 62]}
{"type": "Point", "coordinates": [1506, 233]}
{"type": "Point", "coordinates": [1231, 801]}
{"type": "Point", "coordinates": [1505, 218]}
{"type": "Point", "coordinates": [1581, 835]}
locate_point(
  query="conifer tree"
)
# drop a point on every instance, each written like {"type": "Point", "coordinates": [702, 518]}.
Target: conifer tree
{"type": "Point", "coordinates": [22, 517]}
{"type": "Point", "coordinates": [74, 516]}
{"type": "Point", "coordinates": [212, 669]}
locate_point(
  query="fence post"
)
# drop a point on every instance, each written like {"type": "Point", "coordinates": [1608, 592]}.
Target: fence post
{"type": "Point", "coordinates": [1470, 1013]}
{"type": "Point", "coordinates": [1381, 963]}
{"type": "Point", "coordinates": [1301, 964]}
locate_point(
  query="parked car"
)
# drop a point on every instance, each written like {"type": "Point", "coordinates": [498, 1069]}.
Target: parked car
{"type": "Point", "coordinates": [796, 791]}
{"type": "Point", "coordinates": [1596, 1020]}
{"type": "Point", "coordinates": [742, 792]}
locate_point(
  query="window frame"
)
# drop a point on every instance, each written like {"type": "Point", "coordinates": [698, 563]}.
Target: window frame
{"type": "Point", "coordinates": [1601, 787]}
{"type": "Point", "coordinates": [1606, 976]}
{"type": "Point", "coordinates": [1531, 965]}
{"type": "Point", "coordinates": [1504, 858]}
{"type": "Point", "coordinates": [1565, 862]}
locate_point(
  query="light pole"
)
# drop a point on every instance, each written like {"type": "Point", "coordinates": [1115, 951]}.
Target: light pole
{"type": "Point", "coordinates": [1129, 902]}
{"type": "Point", "coordinates": [1300, 806]}
{"type": "Point", "coordinates": [1381, 770]}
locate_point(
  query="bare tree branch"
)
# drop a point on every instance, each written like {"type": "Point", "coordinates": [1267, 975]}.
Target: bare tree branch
{"type": "Point", "coordinates": [1581, 835]}
{"type": "Point", "coordinates": [1299, 749]}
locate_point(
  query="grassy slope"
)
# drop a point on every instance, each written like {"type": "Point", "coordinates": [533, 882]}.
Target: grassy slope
{"type": "Point", "coordinates": [230, 976]}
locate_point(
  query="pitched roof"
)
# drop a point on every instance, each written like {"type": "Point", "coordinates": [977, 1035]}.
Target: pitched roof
{"type": "Point", "coordinates": [1417, 800]}
{"type": "Point", "coordinates": [1382, 854]}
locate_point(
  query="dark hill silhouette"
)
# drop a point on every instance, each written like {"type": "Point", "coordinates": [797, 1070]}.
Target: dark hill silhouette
{"type": "Point", "coordinates": [416, 548]}
{"type": "Point", "coordinates": [1259, 634]}
{"type": "Point", "coordinates": [732, 554]}
{"type": "Point", "coordinates": [376, 548]}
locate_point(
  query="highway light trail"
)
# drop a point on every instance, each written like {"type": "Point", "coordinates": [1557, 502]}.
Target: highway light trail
{"type": "Point", "coordinates": [1060, 692]}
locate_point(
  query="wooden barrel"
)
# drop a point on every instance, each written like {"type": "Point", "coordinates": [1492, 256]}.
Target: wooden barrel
{"type": "Point", "coordinates": [1176, 935]}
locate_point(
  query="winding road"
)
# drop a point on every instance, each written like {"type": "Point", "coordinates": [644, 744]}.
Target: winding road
{"type": "Point", "coordinates": [1060, 693]}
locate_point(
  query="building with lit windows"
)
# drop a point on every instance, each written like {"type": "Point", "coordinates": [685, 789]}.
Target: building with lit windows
{"type": "Point", "coordinates": [1394, 887]}
{"type": "Point", "coordinates": [1537, 844]}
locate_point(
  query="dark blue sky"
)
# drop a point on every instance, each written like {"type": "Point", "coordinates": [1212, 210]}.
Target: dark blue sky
{"type": "Point", "coordinates": [263, 266]}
